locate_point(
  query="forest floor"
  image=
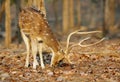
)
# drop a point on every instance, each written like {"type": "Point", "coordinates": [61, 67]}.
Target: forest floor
{"type": "Point", "coordinates": [98, 63]}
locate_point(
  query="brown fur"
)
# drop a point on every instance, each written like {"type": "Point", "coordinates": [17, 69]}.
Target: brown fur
{"type": "Point", "coordinates": [33, 24]}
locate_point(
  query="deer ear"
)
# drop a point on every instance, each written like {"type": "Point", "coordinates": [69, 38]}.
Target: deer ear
{"type": "Point", "coordinates": [38, 11]}
{"type": "Point", "coordinates": [43, 15]}
{"type": "Point", "coordinates": [34, 8]}
{"type": "Point", "coordinates": [22, 10]}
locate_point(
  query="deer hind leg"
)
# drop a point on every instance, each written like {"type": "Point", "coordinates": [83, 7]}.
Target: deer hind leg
{"type": "Point", "coordinates": [34, 52]}
{"type": "Point", "coordinates": [27, 43]}
{"type": "Point", "coordinates": [40, 54]}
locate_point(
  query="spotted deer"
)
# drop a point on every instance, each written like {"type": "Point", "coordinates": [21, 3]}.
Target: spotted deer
{"type": "Point", "coordinates": [36, 34]}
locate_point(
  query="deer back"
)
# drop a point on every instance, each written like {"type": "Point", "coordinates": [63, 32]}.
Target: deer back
{"type": "Point", "coordinates": [34, 24]}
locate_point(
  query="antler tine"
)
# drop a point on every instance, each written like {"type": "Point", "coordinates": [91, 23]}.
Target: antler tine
{"type": "Point", "coordinates": [80, 43]}
{"type": "Point", "coordinates": [88, 32]}
{"type": "Point", "coordinates": [68, 40]}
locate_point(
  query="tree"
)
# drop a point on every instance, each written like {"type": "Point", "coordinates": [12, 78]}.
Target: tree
{"type": "Point", "coordinates": [23, 3]}
{"type": "Point", "coordinates": [78, 13]}
{"type": "Point", "coordinates": [30, 2]}
{"type": "Point", "coordinates": [7, 24]}
{"type": "Point", "coordinates": [71, 13]}
{"type": "Point", "coordinates": [65, 16]}
{"type": "Point", "coordinates": [55, 8]}
{"type": "Point", "coordinates": [2, 10]}
{"type": "Point", "coordinates": [68, 15]}
{"type": "Point", "coordinates": [109, 16]}
{"type": "Point", "coordinates": [18, 5]}
{"type": "Point", "coordinates": [93, 14]}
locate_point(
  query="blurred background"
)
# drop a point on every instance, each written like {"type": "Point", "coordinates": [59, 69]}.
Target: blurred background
{"type": "Point", "coordinates": [64, 16]}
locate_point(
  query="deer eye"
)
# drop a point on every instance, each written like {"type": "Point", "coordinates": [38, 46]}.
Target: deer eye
{"type": "Point", "coordinates": [61, 51]}
{"type": "Point", "coordinates": [40, 41]}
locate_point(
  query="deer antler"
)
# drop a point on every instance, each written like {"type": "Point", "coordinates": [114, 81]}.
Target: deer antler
{"type": "Point", "coordinates": [80, 43]}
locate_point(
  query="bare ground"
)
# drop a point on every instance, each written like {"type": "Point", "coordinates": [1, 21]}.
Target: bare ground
{"type": "Point", "coordinates": [98, 63]}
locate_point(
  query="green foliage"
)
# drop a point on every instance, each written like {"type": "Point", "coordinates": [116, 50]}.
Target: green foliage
{"type": "Point", "coordinates": [51, 0]}
{"type": "Point", "coordinates": [1, 1]}
{"type": "Point", "coordinates": [95, 1]}
{"type": "Point", "coordinates": [12, 2]}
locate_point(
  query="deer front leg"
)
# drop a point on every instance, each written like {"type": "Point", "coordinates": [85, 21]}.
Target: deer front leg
{"type": "Point", "coordinates": [34, 52]}
{"type": "Point", "coordinates": [27, 43]}
{"type": "Point", "coordinates": [40, 55]}
{"type": "Point", "coordinates": [52, 59]}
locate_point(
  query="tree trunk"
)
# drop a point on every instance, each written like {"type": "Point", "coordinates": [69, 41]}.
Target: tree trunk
{"type": "Point", "coordinates": [71, 13]}
{"type": "Point", "coordinates": [23, 3]}
{"type": "Point", "coordinates": [18, 5]}
{"type": "Point", "coordinates": [2, 10]}
{"type": "Point", "coordinates": [7, 24]}
{"type": "Point", "coordinates": [55, 12]}
{"type": "Point", "coordinates": [93, 14]}
{"type": "Point", "coordinates": [65, 16]}
{"type": "Point", "coordinates": [35, 3]}
{"type": "Point", "coordinates": [109, 16]}
{"type": "Point", "coordinates": [78, 13]}
{"type": "Point", "coordinates": [30, 2]}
